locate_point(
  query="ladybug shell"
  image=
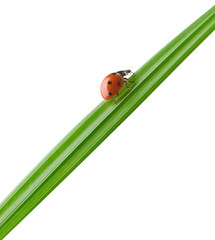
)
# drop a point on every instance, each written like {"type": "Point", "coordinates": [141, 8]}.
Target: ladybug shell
{"type": "Point", "coordinates": [111, 85]}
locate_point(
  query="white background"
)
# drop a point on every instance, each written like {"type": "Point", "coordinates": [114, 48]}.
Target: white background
{"type": "Point", "coordinates": [154, 177]}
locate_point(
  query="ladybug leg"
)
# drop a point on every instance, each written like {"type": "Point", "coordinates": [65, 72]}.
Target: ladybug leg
{"type": "Point", "coordinates": [116, 97]}
{"type": "Point", "coordinates": [126, 84]}
{"type": "Point", "coordinates": [127, 80]}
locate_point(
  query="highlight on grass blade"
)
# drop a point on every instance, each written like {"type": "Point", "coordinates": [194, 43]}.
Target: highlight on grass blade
{"type": "Point", "coordinates": [99, 124]}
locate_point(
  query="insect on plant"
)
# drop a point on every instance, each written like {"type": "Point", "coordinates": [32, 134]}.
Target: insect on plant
{"type": "Point", "coordinates": [112, 84]}
{"type": "Point", "coordinates": [83, 139]}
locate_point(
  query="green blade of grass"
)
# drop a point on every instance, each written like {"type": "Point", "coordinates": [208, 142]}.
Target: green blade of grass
{"type": "Point", "coordinates": [96, 126]}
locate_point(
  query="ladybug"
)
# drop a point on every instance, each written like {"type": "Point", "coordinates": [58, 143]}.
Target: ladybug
{"type": "Point", "coordinates": [112, 84]}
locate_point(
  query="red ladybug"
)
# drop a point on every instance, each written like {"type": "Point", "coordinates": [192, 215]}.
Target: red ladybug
{"type": "Point", "coordinates": [112, 84]}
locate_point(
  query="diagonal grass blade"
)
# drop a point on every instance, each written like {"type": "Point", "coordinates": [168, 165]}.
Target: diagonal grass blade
{"type": "Point", "coordinates": [99, 124]}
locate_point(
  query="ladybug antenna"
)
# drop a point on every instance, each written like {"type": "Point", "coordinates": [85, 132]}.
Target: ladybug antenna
{"type": "Point", "coordinates": [131, 69]}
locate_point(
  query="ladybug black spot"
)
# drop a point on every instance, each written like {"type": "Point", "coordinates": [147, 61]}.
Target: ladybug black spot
{"type": "Point", "coordinates": [119, 83]}
{"type": "Point", "coordinates": [109, 82]}
{"type": "Point", "coordinates": [110, 93]}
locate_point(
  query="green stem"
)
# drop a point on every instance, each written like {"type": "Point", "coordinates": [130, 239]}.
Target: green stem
{"type": "Point", "coordinates": [101, 122]}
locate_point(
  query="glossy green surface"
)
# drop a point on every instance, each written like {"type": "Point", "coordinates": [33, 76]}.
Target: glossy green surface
{"type": "Point", "coordinates": [96, 126]}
